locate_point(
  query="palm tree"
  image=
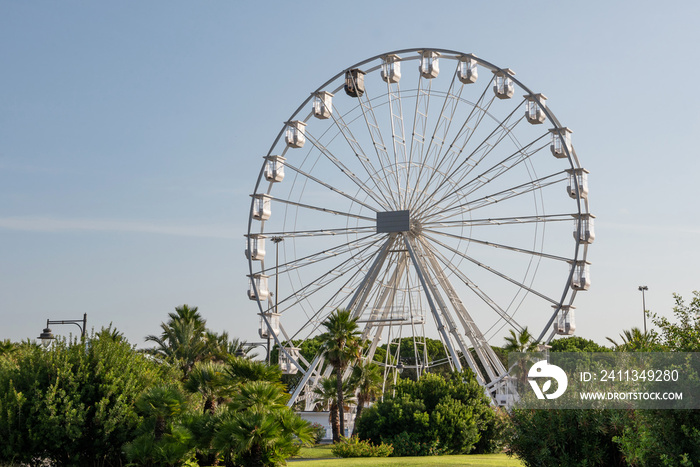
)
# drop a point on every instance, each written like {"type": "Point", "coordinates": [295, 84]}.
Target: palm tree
{"type": "Point", "coordinates": [634, 340]}
{"type": "Point", "coordinates": [7, 347]}
{"type": "Point", "coordinates": [341, 346]}
{"type": "Point", "coordinates": [521, 342]}
{"type": "Point", "coordinates": [162, 404]}
{"type": "Point", "coordinates": [327, 398]}
{"type": "Point", "coordinates": [182, 341]}
{"type": "Point", "coordinates": [367, 380]}
{"type": "Point", "coordinates": [207, 380]}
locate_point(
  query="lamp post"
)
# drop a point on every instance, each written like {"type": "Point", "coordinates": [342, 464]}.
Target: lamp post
{"type": "Point", "coordinates": [47, 336]}
{"type": "Point", "coordinates": [276, 241]}
{"type": "Point", "coordinates": [251, 345]}
{"type": "Point", "coordinates": [644, 288]}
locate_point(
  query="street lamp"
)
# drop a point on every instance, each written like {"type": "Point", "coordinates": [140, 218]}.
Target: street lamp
{"type": "Point", "coordinates": [47, 336]}
{"type": "Point", "coordinates": [276, 241]}
{"type": "Point", "coordinates": [644, 288]}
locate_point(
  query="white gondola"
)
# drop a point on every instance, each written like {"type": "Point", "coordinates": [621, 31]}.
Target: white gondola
{"type": "Point", "coordinates": [294, 136]}
{"type": "Point", "coordinates": [256, 247]}
{"type": "Point", "coordinates": [561, 142]}
{"type": "Point", "coordinates": [565, 322]}
{"type": "Point", "coordinates": [534, 111]}
{"type": "Point", "coordinates": [355, 82]}
{"type": "Point", "coordinates": [391, 68]}
{"type": "Point", "coordinates": [584, 231]}
{"type": "Point", "coordinates": [323, 104]}
{"type": "Point", "coordinates": [274, 168]}
{"type": "Point", "coordinates": [581, 280]}
{"type": "Point", "coordinates": [503, 86]}
{"type": "Point", "coordinates": [466, 69]}
{"type": "Point", "coordinates": [258, 287]}
{"type": "Point", "coordinates": [578, 183]}
{"type": "Point", "coordinates": [262, 207]}
{"type": "Point", "coordinates": [429, 65]}
{"type": "Point", "coordinates": [286, 365]}
{"type": "Point", "coordinates": [274, 320]}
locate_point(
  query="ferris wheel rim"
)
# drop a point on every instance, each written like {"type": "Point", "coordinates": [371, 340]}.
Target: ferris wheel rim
{"type": "Point", "coordinates": [582, 205]}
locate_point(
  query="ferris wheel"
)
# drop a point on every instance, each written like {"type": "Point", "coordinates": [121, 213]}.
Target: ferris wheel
{"type": "Point", "coordinates": [430, 193]}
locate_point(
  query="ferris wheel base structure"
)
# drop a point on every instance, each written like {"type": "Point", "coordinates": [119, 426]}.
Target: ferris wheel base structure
{"type": "Point", "coordinates": [430, 201]}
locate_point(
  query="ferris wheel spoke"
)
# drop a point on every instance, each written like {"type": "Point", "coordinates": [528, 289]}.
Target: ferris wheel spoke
{"type": "Point", "coordinates": [336, 299]}
{"type": "Point", "coordinates": [465, 133]}
{"type": "Point", "coordinates": [420, 118]}
{"type": "Point", "coordinates": [378, 198]}
{"type": "Point", "coordinates": [322, 232]}
{"type": "Point", "coordinates": [477, 290]}
{"type": "Point", "coordinates": [493, 221]}
{"type": "Point", "coordinates": [365, 162]}
{"type": "Point", "coordinates": [501, 196]}
{"type": "Point", "coordinates": [321, 209]}
{"type": "Point", "coordinates": [313, 286]}
{"type": "Point", "coordinates": [398, 135]}
{"type": "Point", "coordinates": [379, 146]}
{"type": "Point", "coordinates": [493, 271]}
{"type": "Point", "coordinates": [474, 159]}
{"type": "Point", "coordinates": [500, 246]}
{"type": "Point", "coordinates": [440, 132]}
{"type": "Point", "coordinates": [358, 244]}
{"type": "Point", "coordinates": [330, 187]}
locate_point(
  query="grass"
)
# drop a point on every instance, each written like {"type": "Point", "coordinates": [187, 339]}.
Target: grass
{"type": "Point", "coordinates": [321, 456]}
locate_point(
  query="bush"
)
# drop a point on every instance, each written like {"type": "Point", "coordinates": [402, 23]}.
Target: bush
{"type": "Point", "coordinates": [354, 447]}
{"type": "Point", "coordinates": [72, 403]}
{"type": "Point", "coordinates": [409, 444]}
{"type": "Point", "coordinates": [319, 432]}
{"type": "Point", "coordinates": [441, 415]}
{"type": "Point", "coordinates": [573, 438]}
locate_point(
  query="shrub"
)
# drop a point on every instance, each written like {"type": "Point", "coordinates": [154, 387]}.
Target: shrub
{"type": "Point", "coordinates": [319, 432]}
{"type": "Point", "coordinates": [410, 444]}
{"type": "Point", "coordinates": [354, 447]}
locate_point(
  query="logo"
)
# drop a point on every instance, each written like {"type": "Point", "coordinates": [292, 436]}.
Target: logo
{"type": "Point", "coordinates": [542, 369]}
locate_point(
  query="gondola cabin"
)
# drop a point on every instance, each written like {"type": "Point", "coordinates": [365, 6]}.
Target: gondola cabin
{"type": "Point", "coordinates": [565, 323]}
{"type": "Point", "coordinates": [391, 68]}
{"type": "Point", "coordinates": [429, 66]}
{"type": "Point", "coordinates": [322, 104]}
{"type": "Point", "coordinates": [581, 279]}
{"type": "Point", "coordinates": [561, 142]}
{"type": "Point", "coordinates": [261, 207]}
{"type": "Point", "coordinates": [534, 110]}
{"type": "Point", "coordinates": [274, 168]}
{"type": "Point", "coordinates": [256, 247]}
{"type": "Point", "coordinates": [355, 82]}
{"type": "Point", "coordinates": [286, 364]}
{"type": "Point", "coordinates": [578, 183]}
{"type": "Point", "coordinates": [258, 287]}
{"type": "Point", "coordinates": [467, 71]}
{"type": "Point", "coordinates": [295, 135]}
{"type": "Point", "coordinates": [503, 86]}
{"type": "Point", "coordinates": [584, 233]}
{"type": "Point", "coordinates": [274, 320]}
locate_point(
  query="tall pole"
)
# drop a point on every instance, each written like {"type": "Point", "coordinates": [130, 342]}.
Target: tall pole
{"type": "Point", "coordinates": [276, 241]}
{"type": "Point", "coordinates": [644, 288]}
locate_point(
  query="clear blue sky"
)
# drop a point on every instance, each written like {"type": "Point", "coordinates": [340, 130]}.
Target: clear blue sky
{"type": "Point", "coordinates": [131, 134]}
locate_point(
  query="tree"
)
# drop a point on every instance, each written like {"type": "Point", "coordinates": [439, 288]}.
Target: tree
{"type": "Point", "coordinates": [576, 344]}
{"type": "Point", "coordinates": [207, 380]}
{"type": "Point", "coordinates": [634, 340]}
{"type": "Point", "coordinates": [368, 381]}
{"type": "Point", "coordinates": [72, 403]}
{"type": "Point", "coordinates": [520, 342]}
{"type": "Point", "coordinates": [683, 335]}
{"type": "Point", "coordinates": [327, 397]}
{"type": "Point", "coordinates": [258, 428]}
{"type": "Point", "coordinates": [182, 341]}
{"type": "Point", "coordinates": [431, 416]}
{"type": "Point", "coordinates": [341, 346]}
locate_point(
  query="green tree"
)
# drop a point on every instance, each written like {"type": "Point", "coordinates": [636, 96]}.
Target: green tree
{"type": "Point", "coordinates": [367, 381]}
{"type": "Point", "coordinates": [72, 403]}
{"type": "Point", "coordinates": [520, 342]}
{"type": "Point", "coordinates": [683, 334]}
{"type": "Point", "coordinates": [446, 415]}
{"type": "Point", "coordinates": [635, 340]}
{"type": "Point", "coordinates": [576, 344]}
{"type": "Point", "coordinates": [341, 346]}
{"type": "Point", "coordinates": [326, 396]}
{"type": "Point", "coordinates": [182, 341]}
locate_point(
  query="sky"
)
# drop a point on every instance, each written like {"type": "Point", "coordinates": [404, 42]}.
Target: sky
{"type": "Point", "coordinates": [131, 134]}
